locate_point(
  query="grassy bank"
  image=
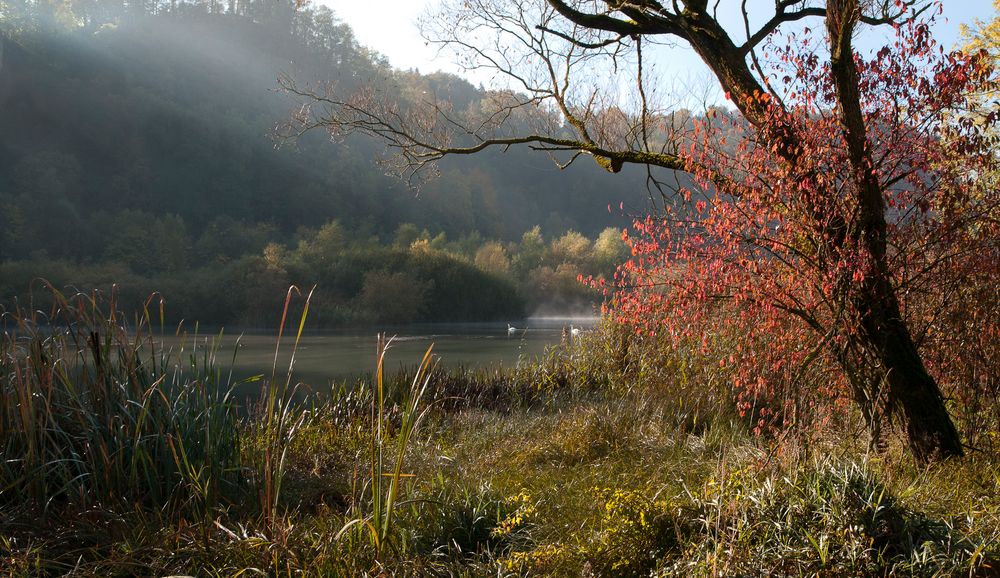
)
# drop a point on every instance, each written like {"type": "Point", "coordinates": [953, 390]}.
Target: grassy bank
{"type": "Point", "coordinates": [602, 459]}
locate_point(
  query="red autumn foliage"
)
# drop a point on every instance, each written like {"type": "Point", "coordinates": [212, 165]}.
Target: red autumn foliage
{"type": "Point", "coordinates": [761, 266]}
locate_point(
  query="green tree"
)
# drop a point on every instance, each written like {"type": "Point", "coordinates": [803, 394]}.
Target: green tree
{"type": "Point", "coordinates": [571, 248]}
{"type": "Point", "coordinates": [492, 258]}
{"type": "Point", "coordinates": [985, 36]}
{"type": "Point", "coordinates": [530, 252]}
{"type": "Point", "coordinates": [405, 235]}
{"type": "Point", "coordinates": [394, 297]}
{"type": "Point", "coordinates": [147, 243]}
{"type": "Point", "coordinates": [319, 250]}
{"type": "Point", "coordinates": [610, 250]}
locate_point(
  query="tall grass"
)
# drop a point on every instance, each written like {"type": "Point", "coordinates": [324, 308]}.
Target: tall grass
{"type": "Point", "coordinates": [95, 414]}
{"type": "Point", "coordinates": [278, 420]}
{"type": "Point", "coordinates": [383, 485]}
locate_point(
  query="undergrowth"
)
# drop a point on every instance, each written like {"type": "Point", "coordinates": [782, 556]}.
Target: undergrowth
{"type": "Point", "coordinates": [610, 456]}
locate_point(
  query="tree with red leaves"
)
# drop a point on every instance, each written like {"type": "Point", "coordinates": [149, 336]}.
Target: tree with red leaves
{"type": "Point", "coordinates": [828, 253]}
{"type": "Point", "coordinates": [842, 193]}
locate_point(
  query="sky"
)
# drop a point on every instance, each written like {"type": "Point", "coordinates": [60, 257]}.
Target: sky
{"type": "Point", "coordinates": [389, 27]}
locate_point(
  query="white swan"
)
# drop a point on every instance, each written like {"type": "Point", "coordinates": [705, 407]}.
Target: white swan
{"type": "Point", "coordinates": [510, 329]}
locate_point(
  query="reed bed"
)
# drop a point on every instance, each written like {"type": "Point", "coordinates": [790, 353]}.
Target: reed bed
{"type": "Point", "coordinates": [94, 414]}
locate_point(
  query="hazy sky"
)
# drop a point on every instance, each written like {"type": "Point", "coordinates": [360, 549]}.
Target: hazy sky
{"type": "Point", "coordinates": [389, 26]}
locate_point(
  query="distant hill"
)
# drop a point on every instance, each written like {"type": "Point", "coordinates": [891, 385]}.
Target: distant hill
{"type": "Point", "coordinates": [173, 114]}
{"type": "Point", "coordinates": [137, 149]}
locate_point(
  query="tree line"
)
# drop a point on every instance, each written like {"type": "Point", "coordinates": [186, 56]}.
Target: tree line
{"type": "Point", "coordinates": [235, 274]}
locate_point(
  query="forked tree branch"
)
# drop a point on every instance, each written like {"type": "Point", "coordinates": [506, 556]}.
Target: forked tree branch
{"type": "Point", "coordinates": [781, 16]}
{"type": "Point", "coordinates": [397, 130]}
{"type": "Point", "coordinates": [584, 28]}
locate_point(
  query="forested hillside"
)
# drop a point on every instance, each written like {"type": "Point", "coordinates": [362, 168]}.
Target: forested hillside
{"type": "Point", "coordinates": [138, 146]}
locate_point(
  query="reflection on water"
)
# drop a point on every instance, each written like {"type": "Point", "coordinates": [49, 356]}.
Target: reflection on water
{"type": "Point", "coordinates": [344, 354]}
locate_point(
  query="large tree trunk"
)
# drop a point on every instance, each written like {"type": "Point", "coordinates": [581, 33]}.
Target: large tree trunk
{"type": "Point", "coordinates": [929, 428]}
{"type": "Point", "coordinates": [890, 382]}
{"type": "Point", "coordinates": [913, 395]}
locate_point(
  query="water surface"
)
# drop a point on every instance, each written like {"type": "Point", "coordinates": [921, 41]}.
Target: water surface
{"type": "Point", "coordinates": [334, 356]}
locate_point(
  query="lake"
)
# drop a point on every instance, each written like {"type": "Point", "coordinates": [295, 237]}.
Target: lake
{"type": "Point", "coordinates": [337, 355]}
